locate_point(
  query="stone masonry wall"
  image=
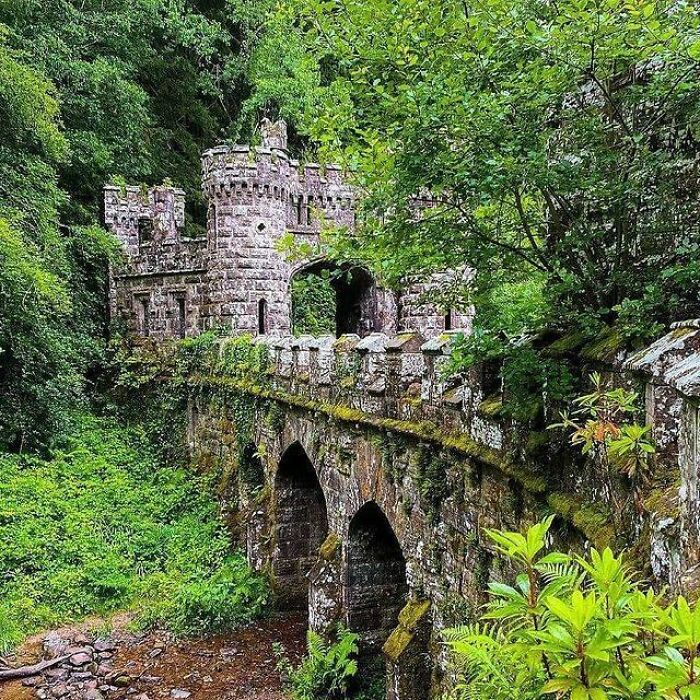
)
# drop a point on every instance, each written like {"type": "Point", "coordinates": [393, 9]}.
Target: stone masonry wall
{"type": "Point", "coordinates": [447, 559]}
{"type": "Point", "coordinates": [406, 500]}
{"type": "Point", "coordinates": [161, 289]}
{"type": "Point", "coordinates": [410, 469]}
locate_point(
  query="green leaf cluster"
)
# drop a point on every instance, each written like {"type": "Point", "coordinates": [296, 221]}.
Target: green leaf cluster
{"type": "Point", "coordinates": [327, 670]}
{"type": "Point", "coordinates": [313, 304]}
{"type": "Point", "coordinates": [559, 138]}
{"type": "Point", "coordinates": [576, 628]}
{"type": "Point", "coordinates": [101, 525]}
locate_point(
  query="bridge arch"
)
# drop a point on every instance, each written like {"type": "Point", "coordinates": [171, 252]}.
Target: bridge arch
{"type": "Point", "coordinates": [350, 303]}
{"type": "Point", "coordinates": [300, 525]}
{"type": "Point", "coordinates": [375, 580]}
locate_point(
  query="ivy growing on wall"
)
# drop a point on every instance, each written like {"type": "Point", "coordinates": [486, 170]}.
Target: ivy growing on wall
{"type": "Point", "coordinates": [431, 478]}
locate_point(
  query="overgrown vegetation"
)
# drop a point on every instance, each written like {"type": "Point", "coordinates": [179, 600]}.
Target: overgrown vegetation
{"type": "Point", "coordinates": [580, 628]}
{"type": "Point", "coordinates": [101, 525]}
{"type": "Point", "coordinates": [329, 671]}
{"type": "Point", "coordinates": [128, 91]}
{"type": "Point", "coordinates": [313, 304]}
{"type": "Point", "coordinates": [603, 425]}
{"type": "Point", "coordinates": [560, 140]}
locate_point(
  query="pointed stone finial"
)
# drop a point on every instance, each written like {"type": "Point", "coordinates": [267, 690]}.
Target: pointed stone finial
{"type": "Point", "coordinates": [274, 134]}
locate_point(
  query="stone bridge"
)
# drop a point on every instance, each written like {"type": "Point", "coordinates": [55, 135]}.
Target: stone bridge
{"type": "Point", "coordinates": [366, 480]}
{"type": "Point", "coordinates": [359, 477]}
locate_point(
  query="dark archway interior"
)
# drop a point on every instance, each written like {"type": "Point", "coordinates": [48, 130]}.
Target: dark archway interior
{"type": "Point", "coordinates": [251, 469]}
{"type": "Point", "coordinates": [331, 299]}
{"type": "Point", "coordinates": [376, 589]}
{"type": "Point", "coordinates": [355, 303]}
{"type": "Point", "coordinates": [301, 526]}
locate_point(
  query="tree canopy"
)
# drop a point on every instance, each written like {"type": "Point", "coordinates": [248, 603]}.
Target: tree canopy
{"type": "Point", "coordinates": [560, 137]}
{"type": "Point", "coordinates": [92, 91]}
{"type": "Point", "coordinates": [559, 140]}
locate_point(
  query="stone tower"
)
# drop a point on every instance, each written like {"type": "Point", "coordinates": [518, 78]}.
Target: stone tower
{"type": "Point", "coordinates": [248, 191]}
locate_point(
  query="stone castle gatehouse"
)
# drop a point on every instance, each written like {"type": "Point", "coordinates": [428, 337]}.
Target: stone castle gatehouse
{"type": "Point", "coordinates": [171, 286]}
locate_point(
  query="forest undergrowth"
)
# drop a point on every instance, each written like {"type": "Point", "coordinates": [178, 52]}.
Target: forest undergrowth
{"type": "Point", "coordinates": [100, 526]}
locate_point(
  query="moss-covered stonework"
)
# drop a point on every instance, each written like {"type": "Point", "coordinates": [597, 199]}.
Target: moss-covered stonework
{"type": "Point", "coordinates": [409, 618]}
{"type": "Point", "coordinates": [437, 489]}
{"type": "Point", "coordinates": [383, 429]}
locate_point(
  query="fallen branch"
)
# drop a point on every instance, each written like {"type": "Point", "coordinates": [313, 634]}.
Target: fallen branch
{"type": "Point", "coordinates": [12, 674]}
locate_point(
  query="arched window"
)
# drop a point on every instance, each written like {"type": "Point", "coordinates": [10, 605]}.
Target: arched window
{"type": "Point", "coordinates": [262, 317]}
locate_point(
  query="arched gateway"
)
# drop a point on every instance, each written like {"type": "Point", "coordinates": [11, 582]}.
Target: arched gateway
{"type": "Point", "coordinates": [375, 583]}
{"type": "Point", "coordinates": [301, 525]}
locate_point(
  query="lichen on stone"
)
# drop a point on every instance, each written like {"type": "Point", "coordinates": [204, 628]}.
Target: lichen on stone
{"type": "Point", "coordinates": [409, 618]}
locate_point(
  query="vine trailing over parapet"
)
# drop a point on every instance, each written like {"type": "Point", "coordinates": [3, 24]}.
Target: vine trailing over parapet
{"type": "Point", "coordinates": [233, 379]}
{"type": "Point", "coordinates": [432, 479]}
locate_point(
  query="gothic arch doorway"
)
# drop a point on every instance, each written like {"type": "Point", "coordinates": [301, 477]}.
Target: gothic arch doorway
{"type": "Point", "coordinates": [300, 526]}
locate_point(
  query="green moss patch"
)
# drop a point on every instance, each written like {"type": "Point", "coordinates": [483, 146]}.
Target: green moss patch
{"type": "Point", "coordinates": [403, 634]}
{"type": "Point", "coordinates": [593, 520]}
{"type": "Point", "coordinates": [330, 547]}
{"type": "Point", "coordinates": [492, 406]}
{"type": "Point", "coordinates": [604, 347]}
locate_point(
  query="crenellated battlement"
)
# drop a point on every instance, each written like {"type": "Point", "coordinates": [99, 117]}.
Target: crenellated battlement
{"type": "Point", "coordinates": [246, 171]}
{"type": "Point", "coordinates": [139, 215]}
{"type": "Point", "coordinates": [401, 377]}
{"type": "Point", "coordinates": [309, 194]}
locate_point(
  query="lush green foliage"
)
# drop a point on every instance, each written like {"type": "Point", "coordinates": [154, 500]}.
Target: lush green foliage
{"type": "Point", "coordinates": [576, 628]}
{"type": "Point", "coordinates": [560, 138]}
{"type": "Point", "coordinates": [101, 525]}
{"type": "Point", "coordinates": [326, 671]}
{"type": "Point", "coordinates": [600, 424]}
{"type": "Point", "coordinates": [604, 426]}
{"type": "Point", "coordinates": [42, 346]}
{"type": "Point", "coordinates": [131, 90]}
{"type": "Point", "coordinates": [313, 305]}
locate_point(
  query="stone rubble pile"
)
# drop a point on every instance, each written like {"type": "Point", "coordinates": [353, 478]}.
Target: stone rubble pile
{"type": "Point", "coordinates": [87, 671]}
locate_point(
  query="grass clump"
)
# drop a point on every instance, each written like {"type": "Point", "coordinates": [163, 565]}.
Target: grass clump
{"type": "Point", "coordinates": [100, 526]}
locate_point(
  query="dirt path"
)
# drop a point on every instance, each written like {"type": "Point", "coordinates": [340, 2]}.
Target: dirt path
{"type": "Point", "coordinates": [237, 666]}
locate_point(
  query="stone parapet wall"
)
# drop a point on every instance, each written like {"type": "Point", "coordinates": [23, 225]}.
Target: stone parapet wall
{"type": "Point", "coordinates": [436, 501]}
{"type": "Point", "coordinates": [670, 369]}
{"type": "Point", "coordinates": [401, 377]}
{"type": "Point", "coordinates": [413, 465]}
{"type": "Point", "coordinates": [126, 207]}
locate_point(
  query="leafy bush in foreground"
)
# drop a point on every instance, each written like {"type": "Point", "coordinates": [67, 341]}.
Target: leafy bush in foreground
{"type": "Point", "coordinates": [576, 628]}
{"type": "Point", "coordinates": [101, 526]}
